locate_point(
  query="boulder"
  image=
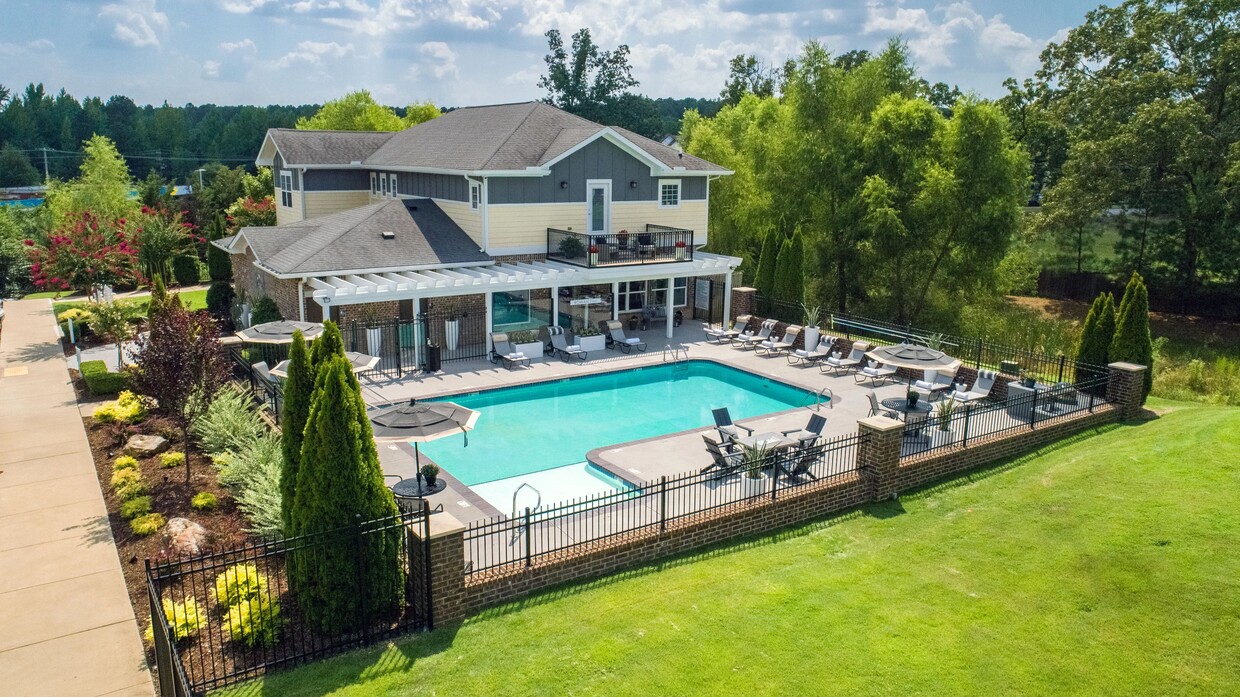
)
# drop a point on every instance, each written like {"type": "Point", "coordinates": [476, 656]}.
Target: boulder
{"type": "Point", "coordinates": [145, 446]}
{"type": "Point", "coordinates": [185, 538]}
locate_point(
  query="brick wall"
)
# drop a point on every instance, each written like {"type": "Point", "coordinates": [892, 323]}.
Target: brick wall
{"type": "Point", "coordinates": [256, 283]}
{"type": "Point", "coordinates": [744, 302]}
{"type": "Point", "coordinates": [367, 312]}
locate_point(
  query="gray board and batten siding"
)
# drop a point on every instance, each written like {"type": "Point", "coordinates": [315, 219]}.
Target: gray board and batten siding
{"type": "Point", "coordinates": [278, 166]}
{"type": "Point", "coordinates": [598, 160]}
{"type": "Point", "coordinates": [336, 180]}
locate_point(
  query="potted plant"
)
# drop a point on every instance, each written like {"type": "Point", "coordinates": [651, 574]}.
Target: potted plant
{"type": "Point", "coordinates": [912, 396]}
{"type": "Point", "coordinates": [593, 255]}
{"type": "Point", "coordinates": [1027, 380]}
{"type": "Point", "coordinates": [451, 324]}
{"type": "Point", "coordinates": [811, 333]}
{"type": "Point", "coordinates": [589, 338]}
{"type": "Point", "coordinates": [943, 422]}
{"type": "Point", "coordinates": [680, 250]}
{"type": "Point", "coordinates": [623, 238]}
{"type": "Point", "coordinates": [430, 472]}
{"type": "Point", "coordinates": [572, 248]}
{"type": "Point", "coordinates": [526, 341]}
{"type": "Point", "coordinates": [374, 335]}
{"type": "Point", "coordinates": [753, 459]}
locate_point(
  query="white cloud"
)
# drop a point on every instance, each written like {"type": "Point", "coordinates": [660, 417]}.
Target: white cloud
{"type": "Point", "coordinates": [211, 70]}
{"type": "Point", "coordinates": [135, 22]}
{"type": "Point", "coordinates": [314, 52]}
{"type": "Point", "coordinates": [938, 42]}
{"type": "Point", "coordinates": [242, 7]}
{"type": "Point", "coordinates": [242, 46]}
{"type": "Point", "coordinates": [400, 15]}
{"type": "Point", "coordinates": [36, 46]}
{"type": "Point", "coordinates": [438, 59]}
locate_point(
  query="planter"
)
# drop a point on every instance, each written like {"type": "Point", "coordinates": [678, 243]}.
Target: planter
{"type": "Point", "coordinates": [940, 437]}
{"type": "Point", "coordinates": [451, 333]}
{"type": "Point", "coordinates": [374, 341]}
{"type": "Point", "coordinates": [812, 335]}
{"type": "Point", "coordinates": [598, 342]}
{"type": "Point", "coordinates": [752, 487]}
{"type": "Point", "coordinates": [532, 350]}
{"type": "Point", "coordinates": [593, 258]}
{"type": "Point", "coordinates": [680, 254]}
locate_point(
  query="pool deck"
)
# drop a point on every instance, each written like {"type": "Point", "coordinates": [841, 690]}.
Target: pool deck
{"type": "Point", "coordinates": [636, 461]}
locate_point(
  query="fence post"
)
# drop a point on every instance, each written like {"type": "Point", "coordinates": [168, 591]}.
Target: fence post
{"type": "Point", "coordinates": [878, 454]}
{"type": "Point", "coordinates": [163, 656]}
{"type": "Point", "coordinates": [968, 411]}
{"type": "Point", "coordinates": [663, 504]}
{"type": "Point", "coordinates": [1033, 409]}
{"type": "Point", "coordinates": [977, 360]}
{"type": "Point", "coordinates": [528, 544]}
{"type": "Point", "coordinates": [1091, 401]}
{"type": "Point", "coordinates": [1062, 360]}
{"type": "Point", "coordinates": [775, 466]}
{"type": "Point", "coordinates": [359, 546]}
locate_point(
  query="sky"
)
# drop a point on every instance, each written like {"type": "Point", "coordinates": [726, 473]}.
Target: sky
{"type": "Point", "coordinates": [468, 52]}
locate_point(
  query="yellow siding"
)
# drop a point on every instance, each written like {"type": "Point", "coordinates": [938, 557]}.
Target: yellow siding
{"type": "Point", "coordinates": [515, 227]}
{"type": "Point", "coordinates": [691, 215]}
{"type": "Point", "coordinates": [320, 203]}
{"type": "Point", "coordinates": [469, 220]}
{"type": "Point", "coordinates": [286, 214]}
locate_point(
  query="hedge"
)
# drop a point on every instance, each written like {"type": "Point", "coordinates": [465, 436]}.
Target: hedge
{"type": "Point", "coordinates": [185, 270]}
{"type": "Point", "coordinates": [99, 381]}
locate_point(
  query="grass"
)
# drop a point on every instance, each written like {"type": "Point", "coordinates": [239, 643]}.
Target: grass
{"type": "Point", "coordinates": [1105, 565]}
{"type": "Point", "coordinates": [1100, 254]}
{"type": "Point", "coordinates": [193, 299]}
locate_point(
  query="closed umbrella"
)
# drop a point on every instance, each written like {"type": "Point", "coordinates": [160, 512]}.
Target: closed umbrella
{"type": "Point", "coordinates": [280, 332]}
{"type": "Point", "coordinates": [422, 423]}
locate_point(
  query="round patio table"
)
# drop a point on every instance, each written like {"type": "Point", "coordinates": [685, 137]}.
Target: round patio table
{"type": "Point", "coordinates": [417, 487]}
{"type": "Point", "coordinates": [900, 404]}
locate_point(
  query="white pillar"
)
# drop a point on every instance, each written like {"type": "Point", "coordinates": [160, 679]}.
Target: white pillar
{"type": "Point", "coordinates": [727, 298]}
{"type": "Point", "coordinates": [668, 301]}
{"type": "Point", "coordinates": [615, 300]}
{"type": "Point", "coordinates": [301, 295]}
{"type": "Point", "coordinates": [489, 320]}
{"type": "Point", "coordinates": [555, 306]}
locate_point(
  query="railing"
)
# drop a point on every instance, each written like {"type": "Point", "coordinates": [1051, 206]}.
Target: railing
{"type": "Point", "coordinates": [533, 535]}
{"type": "Point", "coordinates": [268, 393]}
{"type": "Point", "coordinates": [658, 244]}
{"type": "Point", "coordinates": [1024, 409]}
{"type": "Point", "coordinates": [222, 645]}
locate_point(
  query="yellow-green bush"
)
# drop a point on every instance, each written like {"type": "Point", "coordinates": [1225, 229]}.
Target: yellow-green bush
{"type": "Point", "coordinates": [147, 524]}
{"type": "Point", "coordinates": [255, 622]}
{"type": "Point", "coordinates": [137, 506]}
{"type": "Point", "coordinates": [125, 477]}
{"type": "Point", "coordinates": [204, 501]}
{"type": "Point", "coordinates": [185, 618]}
{"type": "Point", "coordinates": [125, 462]}
{"type": "Point", "coordinates": [169, 460]}
{"type": "Point", "coordinates": [239, 583]}
{"type": "Point", "coordinates": [128, 408]}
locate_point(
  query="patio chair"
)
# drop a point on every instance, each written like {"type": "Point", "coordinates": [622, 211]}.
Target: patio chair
{"type": "Point", "coordinates": [935, 384]}
{"type": "Point", "coordinates": [802, 459]}
{"type": "Point", "coordinates": [876, 373]}
{"type": "Point", "coordinates": [811, 433]}
{"type": "Point", "coordinates": [811, 355]}
{"type": "Point", "coordinates": [615, 330]}
{"type": "Point", "coordinates": [728, 431]}
{"type": "Point", "coordinates": [980, 390]}
{"type": "Point", "coordinates": [754, 340]}
{"type": "Point", "coordinates": [560, 345]}
{"type": "Point", "coordinates": [264, 373]}
{"type": "Point", "coordinates": [877, 409]}
{"type": "Point", "coordinates": [724, 464]}
{"type": "Point", "coordinates": [776, 347]}
{"type": "Point", "coordinates": [843, 366]}
{"type": "Point", "coordinates": [502, 350]}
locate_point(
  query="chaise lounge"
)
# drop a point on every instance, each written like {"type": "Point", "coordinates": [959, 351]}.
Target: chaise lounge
{"type": "Point", "coordinates": [502, 350]}
{"type": "Point", "coordinates": [560, 345]}
{"type": "Point", "coordinates": [778, 346]}
{"type": "Point", "coordinates": [935, 384]}
{"type": "Point", "coordinates": [748, 340]}
{"type": "Point", "coordinates": [843, 366]}
{"type": "Point", "coordinates": [810, 356]}
{"type": "Point", "coordinates": [876, 373]}
{"type": "Point", "coordinates": [615, 330]}
{"type": "Point", "coordinates": [980, 390]}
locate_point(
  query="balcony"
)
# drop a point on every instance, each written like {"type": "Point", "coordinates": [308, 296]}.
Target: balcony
{"type": "Point", "coordinates": [658, 244]}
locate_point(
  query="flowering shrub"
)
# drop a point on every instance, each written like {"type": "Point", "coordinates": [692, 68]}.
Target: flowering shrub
{"type": "Point", "coordinates": [83, 252]}
{"type": "Point", "coordinates": [251, 212]}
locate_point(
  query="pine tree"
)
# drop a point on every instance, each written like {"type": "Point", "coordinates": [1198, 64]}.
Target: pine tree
{"type": "Point", "coordinates": [789, 276]}
{"type": "Point", "coordinates": [1132, 342]}
{"type": "Point", "coordinates": [1095, 344]}
{"type": "Point", "coordinates": [339, 481]}
{"type": "Point", "coordinates": [298, 389]}
{"type": "Point", "coordinates": [764, 280]}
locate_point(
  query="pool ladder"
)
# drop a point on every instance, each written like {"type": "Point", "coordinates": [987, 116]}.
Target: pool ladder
{"type": "Point", "coordinates": [819, 396]}
{"type": "Point", "coordinates": [516, 532]}
{"type": "Point", "coordinates": [678, 354]}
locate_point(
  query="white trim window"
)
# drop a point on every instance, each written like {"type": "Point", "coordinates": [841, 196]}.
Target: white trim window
{"type": "Point", "coordinates": [680, 291]}
{"type": "Point", "coordinates": [669, 193]}
{"type": "Point", "coordinates": [475, 196]}
{"type": "Point", "coordinates": [286, 188]}
{"type": "Point", "coordinates": [632, 296]}
{"type": "Point", "coordinates": [374, 184]}
{"type": "Point", "coordinates": [392, 176]}
{"type": "Point", "coordinates": [383, 179]}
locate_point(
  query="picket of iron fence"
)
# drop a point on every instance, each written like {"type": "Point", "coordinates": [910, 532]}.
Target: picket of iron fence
{"type": "Point", "coordinates": [970, 423]}
{"type": "Point", "coordinates": [216, 652]}
{"type": "Point", "coordinates": [404, 345]}
{"type": "Point", "coordinates": [529, 535]}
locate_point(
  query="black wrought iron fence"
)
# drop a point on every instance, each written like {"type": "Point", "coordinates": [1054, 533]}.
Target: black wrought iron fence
{"type": "Point", "coordinates": [260, 385]}
{"type": "Point", "coordinates": [407, 345]}
{"type": "Point", "coordinates": [950, 423]}
{"type": "Point", "coordinates": [221, 618]}
{"type": "Point", "coordinates": [529, 535]}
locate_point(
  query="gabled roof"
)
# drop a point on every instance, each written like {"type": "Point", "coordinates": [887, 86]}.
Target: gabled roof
{"type": "Point", "coordinates": [352, 241]}
{"type": "Point", "coordinates": [525, 138]}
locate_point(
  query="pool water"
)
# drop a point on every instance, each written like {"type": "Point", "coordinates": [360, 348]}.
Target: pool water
{"type": "Point", "coordinates": [537, 427]}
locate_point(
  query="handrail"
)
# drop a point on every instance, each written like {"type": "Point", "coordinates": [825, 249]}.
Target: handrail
{"type": "Point", "coordinates": [818, 396]}
{"type": "Point", "coordinates": [676, 351]}
{"type": "Point", "coordinates": [538, 493]}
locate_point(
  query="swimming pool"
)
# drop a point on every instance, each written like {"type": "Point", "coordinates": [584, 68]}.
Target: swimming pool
{"type": "Point", "coordinates": [537, 427]}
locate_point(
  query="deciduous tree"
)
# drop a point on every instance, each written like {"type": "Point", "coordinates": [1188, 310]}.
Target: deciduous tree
{"type": "Point", "coordinates": [588, 80]}
{"type": "Point", "coordinates": [358, 111]}
{"type": "Point", "coordinates": [84, 252]}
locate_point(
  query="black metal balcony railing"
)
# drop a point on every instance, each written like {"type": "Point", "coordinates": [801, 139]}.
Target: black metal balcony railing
{"type": "Point", "coordinates": [658, 244]}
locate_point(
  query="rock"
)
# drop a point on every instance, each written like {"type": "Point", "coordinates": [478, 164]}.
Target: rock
{"type": "Point", "coordinates": [145, 446]}
{"type": "Point", "coordinates": [185, 537]}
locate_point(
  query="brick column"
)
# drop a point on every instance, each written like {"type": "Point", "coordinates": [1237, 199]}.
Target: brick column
{"type": "Point", "coordinates": [744, 302]}
{"type": "Point", "coordinates": [1125, 387]}
{"type": "Point", "coordinates": [879, 458]}
{"type": "Point", "coordinates": [447, 569]}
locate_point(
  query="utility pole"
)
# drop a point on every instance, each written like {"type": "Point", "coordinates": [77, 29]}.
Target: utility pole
{"type": "Point", "coordinates": [45, 177]}
{"type": "Point", "coordinates": [200, 170]}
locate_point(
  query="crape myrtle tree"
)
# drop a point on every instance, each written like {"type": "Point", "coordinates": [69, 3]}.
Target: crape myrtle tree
{"type": "Point", "coordinates": [180, 364]}
{"type": "Point", "coordinates": [82, 252]}
{"type": "Point", "coordinates": [1132, 342]}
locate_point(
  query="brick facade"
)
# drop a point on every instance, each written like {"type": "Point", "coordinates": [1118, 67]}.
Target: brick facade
{"type": "Point", "coordinates": [1126, 388]}
{"type": "Point", "coordinates": [254, 283]}
{"type": "Point", "coordinates": [878, 456]}
{"type": "Point", "coordinates": [744, 302]}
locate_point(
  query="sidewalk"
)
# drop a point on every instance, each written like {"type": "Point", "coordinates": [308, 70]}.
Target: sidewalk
{"type": "Point", "coordinates": [66, 624]}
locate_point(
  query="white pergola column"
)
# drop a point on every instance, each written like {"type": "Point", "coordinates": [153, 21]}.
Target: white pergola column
{"type": "Point", "coordinates": [555, 306]}
{"type": "Point", "coordinates": [727, 299]}
{"type": "Point", "coordinates": [487, 297]}
{"type": "Point", "coordinates": [615, 300]}
{"type": "Point", "coordinates": [669, 301]}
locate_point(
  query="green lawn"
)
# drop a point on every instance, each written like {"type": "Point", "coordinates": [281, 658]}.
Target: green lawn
{"type": "Point", "coordinates": [193, 299]}
{"type": "Point", "coordinates": [1103, 566]}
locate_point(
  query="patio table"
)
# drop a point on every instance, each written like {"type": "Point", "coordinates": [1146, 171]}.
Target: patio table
{"type": "Point", "coordinates": [900, 404]}
{"type": "Point", "coordinates": [770, 441]}
{"type": "Point", "coordinates": [417, 487]}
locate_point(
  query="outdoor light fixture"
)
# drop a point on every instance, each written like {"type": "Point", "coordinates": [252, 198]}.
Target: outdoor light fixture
{"type": "Point", "coordinates": [633, 184]}
{"type": "Point", "coordinates": [563, 184]}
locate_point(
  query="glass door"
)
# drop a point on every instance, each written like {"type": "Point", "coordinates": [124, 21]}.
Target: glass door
{"type": "Point", "coordinates": [598, 206]}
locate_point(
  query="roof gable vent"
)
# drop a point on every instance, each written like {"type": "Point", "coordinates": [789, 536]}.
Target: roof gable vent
{"type": "Point", "coordinates": [388, 235]}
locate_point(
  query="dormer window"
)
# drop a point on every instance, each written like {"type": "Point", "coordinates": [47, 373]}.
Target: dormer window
{"type": "Point", "coordinates": [475, 195]}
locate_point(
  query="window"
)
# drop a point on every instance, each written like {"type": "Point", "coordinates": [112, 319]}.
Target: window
{"type": "Point", "coordinates": [632, 296]}
{"type": "Point", "coordinates": [384, 180]}
{"type": "Point", "coordinates": [669, 193]}
{"type": "Point", "coordinates": [680, 292]}
{"type": "Point", "coordinates": [475, 195]}
{"type": "Point", "coordinates": [374, 184]}
{"type": "Point", "coordinates": [286, 188]}
{"type": "Point", "coordinates": [392, 176]}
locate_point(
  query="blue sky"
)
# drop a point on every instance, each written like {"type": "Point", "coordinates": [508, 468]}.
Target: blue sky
{"type": "Point", "coordinates": [461, 52]}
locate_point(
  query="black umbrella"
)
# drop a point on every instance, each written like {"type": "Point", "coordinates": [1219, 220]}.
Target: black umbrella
{"type": "Point", "coordinates": [421, 423]}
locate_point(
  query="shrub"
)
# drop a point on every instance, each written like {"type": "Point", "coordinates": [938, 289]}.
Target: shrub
{"type": "Point", "coordinates": [125, 462]}
{"type": "Point", "coordinates": [258, 489]}
{"type": "Point", "coordinates": [129, 408]}
{"type": "Point", "coordinates": [220, 300]}
{"type": "Point", "coordinates": [265, 310]}
{"type": "Point", "coordinates": [147, 524]}
{"type": "Point", "coordinates": [1132, 342]}
{"type": "Point", "coordinates": [238, 583]}
{"type": "Point", "coordinates": [137, 506]}
{"type": "Point", "coordinates": [99, 381]}
{"type": "Point", "coordinates": [228, 423]}
{"type": "Point", "coordinates": [170, 460]}
{"type": "Point", "coordinates": [125, 477]}
{"type": "Point", "coordinates": [204, 501]}
{"type": "Point", "coordinates": [185, 619]}
{"type": "Point", "coordinates": [255, 622]}
{"type": "Point", "coordinates": [81, 321]}
{"type": "Point", "coordinates": [185, 270]}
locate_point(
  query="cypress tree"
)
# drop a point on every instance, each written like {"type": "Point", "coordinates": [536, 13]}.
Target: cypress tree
{"type": "Point", "coordinates": [764, 280]}
{"type": "Point", "coordinates": [339, 478]}
{"type": "Point", "coordinates": [1132, 342]}
{"type": "Point", "coordinates": [329, 343]}
{"type": "Point", "coordinates": [1095, 344]}
{"type": "Point", "coordinates": [789, 275]}
{"type": "Point", "coordinates": [298, 389]}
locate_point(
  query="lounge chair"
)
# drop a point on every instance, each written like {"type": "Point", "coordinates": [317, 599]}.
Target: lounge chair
{"type": "Point", "coordinates": [877, 409]}
{"type": "Point", "coordinates": [811, 355]}
{"type": "Point", "coordinates": [935, 384]}
{"type": "Point", "coordinates": [776, 347]}
{"type": "Point", "coordinates": [502, 350]}
{"type": "Point", "coordinates": [876, 373]}
{"type": "Point", "coordinates": [728, 431]}
{"type": "Point", "coordinates": [615, 330]}
{"type": "Point", "coordinates": [811, 433]}
{"type": "Point", "coordinates": [722, 334]}
{"type": "Point", "coordinates": [843, 366]}
{"type": "Point", "coordinates": [747, 340]}
{"type": "Point", "coordinates": [723, 464]}
{"type": "Point", "coordinates": [980, 390]}
{"type": "Point", "coordinates": [802, 459]}
{"type": "Point", "coordinates": [264, 373]}
{"type": "Point", "coordinates": [560, 345]}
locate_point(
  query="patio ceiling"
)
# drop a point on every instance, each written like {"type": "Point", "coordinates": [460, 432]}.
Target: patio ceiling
{"type": "Point", "coordinates": [377, 287]}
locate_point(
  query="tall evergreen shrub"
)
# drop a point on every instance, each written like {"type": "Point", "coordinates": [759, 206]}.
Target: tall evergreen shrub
{"type": "Point", "coordinates": [767, 261]}
{"type": "Point", "coordinates": [1095, 344]}
{"type": "Point", "coordinates": [1132, 342]}
{"type": "Point", "coordinates": [789, 274]}
{"type": "Point", "coordinates": [329, 343]}
{"type": "Point", "coordinates": [298, 389]}
{"type": "Point", "coordinates": [219, 265]}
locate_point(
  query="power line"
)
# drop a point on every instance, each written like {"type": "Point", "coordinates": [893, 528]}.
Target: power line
{"type": "Point", "coordinates": [78, 153]}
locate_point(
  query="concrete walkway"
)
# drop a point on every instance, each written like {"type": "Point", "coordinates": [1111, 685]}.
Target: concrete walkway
{"type": "Point", "coordinates": [66, 624]}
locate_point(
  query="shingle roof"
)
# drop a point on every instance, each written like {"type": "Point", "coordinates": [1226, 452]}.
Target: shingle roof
{"type": "Point", "coordinates": [326, 147]}
{"type": "Point", "coordinates": [352, 240]}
